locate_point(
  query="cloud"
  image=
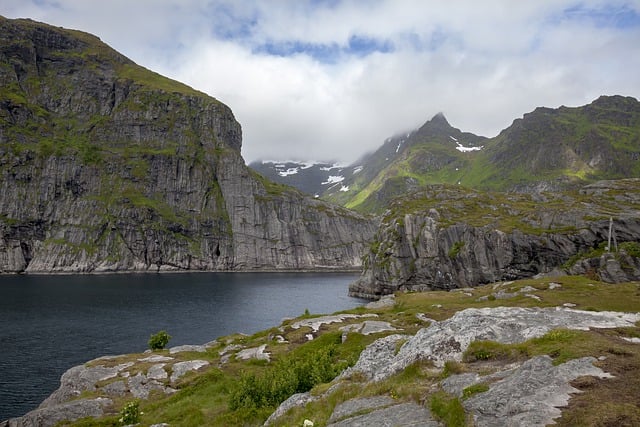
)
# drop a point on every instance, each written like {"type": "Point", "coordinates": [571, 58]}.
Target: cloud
{"type": "Point", "coordinates": [332, 79]}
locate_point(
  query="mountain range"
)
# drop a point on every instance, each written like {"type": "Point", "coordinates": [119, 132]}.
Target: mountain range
{"type": "Point", "coordinates": [547, 149]}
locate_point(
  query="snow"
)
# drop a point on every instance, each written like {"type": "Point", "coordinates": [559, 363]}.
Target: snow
{"type": "Point", "coordinates": [290, 171]}
{"type": "Point", "coordinates": [357, 169]}
{"type": "Point", "coordinates": [399, 145]}
{"type": "Point", "coordinates": [333, 179]}
{"type": "Point", "coordinates": [464, 149]}
{"type": "Point", "coordinates": [344, 188]}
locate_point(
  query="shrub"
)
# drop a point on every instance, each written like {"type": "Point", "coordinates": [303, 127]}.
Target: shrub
{"type": "Point", "coordinates": [288, 376]}
{"type": "Point", "coordinates": [159, 340]}
{"type": "Point", "coordinates": [130, 413]}
{"type": "Point", "coordinates": [448, 409]}
{"type": "Point", "coordinates": [455, 249]}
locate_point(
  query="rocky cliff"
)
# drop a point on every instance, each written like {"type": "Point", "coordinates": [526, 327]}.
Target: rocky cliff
{"type": "Point", "coordinates": [450, 237]}
{"type": "Point", "coordinates": [107, 166]}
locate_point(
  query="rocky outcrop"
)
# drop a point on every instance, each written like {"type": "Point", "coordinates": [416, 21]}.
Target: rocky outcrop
{"type": "Point", "coordinates": [107, 166]}
{"type": "Point", "coordinates": [448, 237]}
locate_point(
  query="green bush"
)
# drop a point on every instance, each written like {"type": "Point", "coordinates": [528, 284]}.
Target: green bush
{"type": "Point", "coordinates": [130, 413]}
{"type": "Point", "coordinates": [448, 409]}
{"type": "Point", "coordinates": [159, 340]}
{"type": "Point", "coordinates": [288, 376]}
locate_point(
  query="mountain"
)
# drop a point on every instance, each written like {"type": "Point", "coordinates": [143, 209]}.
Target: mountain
{"type": "Point", "coordinates": [435, 152]}
{"type": "Point", "coordinates": [547, 149]}
{"type": "Point", "coordinates": [107, 166]}
{"type": "Point", "coordinates": [311, 177]}
{"type": "Point", "coordinates": [445, 237]}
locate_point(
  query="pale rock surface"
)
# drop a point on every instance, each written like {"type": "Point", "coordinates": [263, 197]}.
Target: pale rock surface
{"type": "Point", "coordinates": [183, 348]}
{"type": "Point", "coordinates": [52, 415]}
{"type": "Point", "coordinates": [404, 414]}
{"type": "Point", "coordinates": [257, 353]}
{"type": "Point", "coordinates": [448, 339]}
{"type": "Point", "coordinates": [181, 368]}
{"type": "Point", "coordinates": [316, 322]}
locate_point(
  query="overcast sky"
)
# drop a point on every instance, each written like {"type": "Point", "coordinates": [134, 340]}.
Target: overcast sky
{"type": "Point", "coordinates": [331, 79]}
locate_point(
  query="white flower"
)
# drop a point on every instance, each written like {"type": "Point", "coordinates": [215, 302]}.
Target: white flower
{"type": "Point", "coordinates": [307, 423]}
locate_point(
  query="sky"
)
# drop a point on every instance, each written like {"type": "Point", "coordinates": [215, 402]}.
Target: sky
{"type": "Point", "coordinates": [332, 79]}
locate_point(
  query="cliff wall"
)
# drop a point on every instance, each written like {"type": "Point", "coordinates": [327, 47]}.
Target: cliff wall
{"type": "Point", "coordinates": [449, 237]}
{"type": "Point", "coordinates": [107, 166]}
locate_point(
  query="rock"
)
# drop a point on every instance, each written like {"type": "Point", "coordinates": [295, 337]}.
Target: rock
{"type": "Point", "coordinates": [416, 249]}
{"type": "Point", "coordinates": [353, 406]}
{"type": "Point", "coordinates": [316, 322]}
{"type": "Point", "coordinates": [298, 399]}
{"type": "Point", "coordinates": [447, 340]}
{"type": "Point", "coordinates": [116, 388]}
{"type": "Point", "coordinates": [78, 379]}
{"type": "Point", "coordinates": [52, 415]}
{"type": "Point", "coordinates": [140, 386]}
{"type": "Point", "coordinates": [385, 301]}
{"type": "Point", "coordinates": [157, 372]}
{"type": "Point", "coordinates": [150, 177]}
{"type": "Point", "coordinates": [181, 368]}
{"type": "Point", "coordinates": [156, 358]}
{"type": "Point", "coordinates": [532, 394]}
{"type": "Point", "coordinates": [367, 327]}
{"type": "Point", "coordinates": [404, 414]}
{"type": "Point", "coordinates": [184, 348]}
{"type": "Point", "coordinates": [257, 353]}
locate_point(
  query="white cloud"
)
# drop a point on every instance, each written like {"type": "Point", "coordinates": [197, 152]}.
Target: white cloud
{"type": "Point", "coordinates": [481, 63]}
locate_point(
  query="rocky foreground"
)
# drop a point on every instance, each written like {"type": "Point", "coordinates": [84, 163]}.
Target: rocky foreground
{"type": "Point", "coordinates": [513, 353]}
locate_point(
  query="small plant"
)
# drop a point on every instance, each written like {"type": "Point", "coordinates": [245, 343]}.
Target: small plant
{"type": "Point", "coordinates": [159, 340]}
{"type": "Point", "coordinates": [452, 367]}
{"type": "Point", "coordinates": [130, 413]}
{"type": "Point", "coordinates": [455, 249]}
{"type": "Point", "coordinates": [474, 389]}
{"type": "Point", "coordinates": [448, 409]}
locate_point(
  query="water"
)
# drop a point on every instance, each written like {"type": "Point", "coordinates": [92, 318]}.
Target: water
{"type": "Point", "coordinates": [51, 323]}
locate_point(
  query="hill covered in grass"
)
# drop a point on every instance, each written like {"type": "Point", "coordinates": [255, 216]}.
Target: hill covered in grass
{"type": "Point", "coordinates": [534, 343]}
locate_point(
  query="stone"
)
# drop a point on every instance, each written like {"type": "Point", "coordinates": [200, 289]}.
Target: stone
{"type": "Point", "coordinates": [156, 358]}
{"type": "Point", "coordinates": [157, 372]}
{"type": "Point", "coordinates": [353, 406]}
{"type": "Point", "coordinates": [257, 353]}
{"type": "Point", "coordinates": [116, 388]}
{"type": "Point", "coordinates": [140, 386]}
{"type": "Point", "coordinates": [316, 322]}
{"type": "Point", "coordinates": [385, 301]}
{"type": "Point", "coordinates": [447, 340]}
{"type": "Point", "coordinates": [51, 415]}
{"type": "Point", "coordinates": [298, 399]}
{"type": "Point", "coordinates": [404, 414]}
{"type": "Point", "coordinates": [367, 327]}
{"type": "Point", "coordinates": [184, 348]}
{"type": "Point", "coordinates": [181, 368]}
{"type": "Point", "coordinates": [532, 394]}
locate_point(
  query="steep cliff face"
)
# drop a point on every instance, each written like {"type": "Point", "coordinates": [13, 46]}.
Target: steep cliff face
{"type": "Point", "coordinates": [448, 237]}
{"type": "Point", "coordinates": [107, 166]}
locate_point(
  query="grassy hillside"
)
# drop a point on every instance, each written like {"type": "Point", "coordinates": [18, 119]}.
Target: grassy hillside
{"type": "Point", "coordinates": [237, 392]}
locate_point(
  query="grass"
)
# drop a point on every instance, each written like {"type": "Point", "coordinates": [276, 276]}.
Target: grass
{"type": "Point", "coordinates": [206, 397]}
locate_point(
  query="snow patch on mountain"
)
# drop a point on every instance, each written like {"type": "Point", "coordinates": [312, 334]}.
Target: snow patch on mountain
{"type": "Point", "coordinates": [357, 169]}
{"type": "Point", "coordinates": [464, 149]}
{"type": "Point", "coordinates": [333, 179]}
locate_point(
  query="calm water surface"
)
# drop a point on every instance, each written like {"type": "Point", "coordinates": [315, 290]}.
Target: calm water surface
{"type": "Point", "coordinates": [51, 323]}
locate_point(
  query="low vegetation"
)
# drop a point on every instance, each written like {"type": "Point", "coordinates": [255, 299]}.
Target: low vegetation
{"type": "Point", "coordinates": [239, 392]}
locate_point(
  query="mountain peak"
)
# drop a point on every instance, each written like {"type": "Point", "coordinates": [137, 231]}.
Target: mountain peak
{"type": "Point", "coordinates": [439, 118]}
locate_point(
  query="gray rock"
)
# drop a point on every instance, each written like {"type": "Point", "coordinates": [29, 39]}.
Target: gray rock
{"type": "Point", "coordinates": [298, 399]}
{"type": "Point", "coordinates": [367, 327]}
{"type": "Point", "coordinates": [316, 322]}
{"type": "Point", "coordinates": [532, 394]}
{"type": "Point", "coordinates": [52, 415]}
{"type": "Point", "coordinates": [157, 372]}
{"type": "Point", "coordinates": [183, 348]}
{"type": "Point", "coordinates": [404, 414]}
{"type": "Point", "coordinates": [181, 368]}
{"type": "Point", "coordinates": [257, 353]}
{"type": "Point", "coordinates": [140, 386]}
{"type": "Point", "coordinates": [385, 301]}
{"type": "Point", "coordinates": [353, 406]}
{"type": "Point", "coordinates": [116, 388]}
{"type": "Point", "coordinates": [156, 358]}
{"type": "Point", "coordinates": [448, 339]}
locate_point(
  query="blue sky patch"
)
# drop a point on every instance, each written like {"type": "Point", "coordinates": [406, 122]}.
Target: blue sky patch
{"type": "Point", "coordinates": [605, 17]}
